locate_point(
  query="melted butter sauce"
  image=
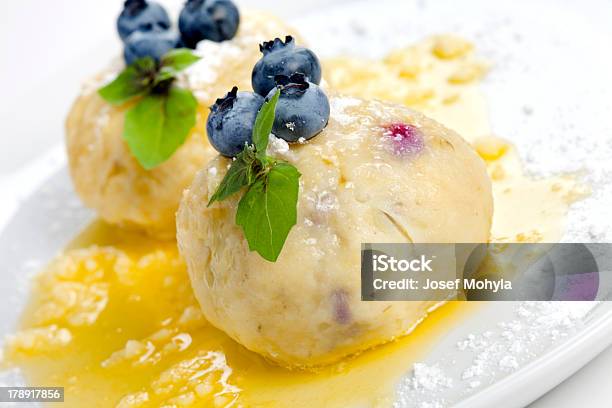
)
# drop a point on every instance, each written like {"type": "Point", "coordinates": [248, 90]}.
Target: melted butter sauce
{"type": "Point", "coordinates": [440, 76]}
{"type": "Point", "coordinates": [114, 320]}
{"type": "Point", "coordinates": [526, 209]}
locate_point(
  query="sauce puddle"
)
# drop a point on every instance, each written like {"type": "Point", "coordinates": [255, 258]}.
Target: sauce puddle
{"type": "Point", "coordinates": [526, 209]}
{"type": "Point", "coordinates": [113, 320]}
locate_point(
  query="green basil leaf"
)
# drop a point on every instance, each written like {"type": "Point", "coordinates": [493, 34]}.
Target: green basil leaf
{"type": "Point", "coordinates": [158, 125]}
{"type": "Point", "coordinates": [236, 177]}
{"type": "Point", "coordinates": [135, 80]}
{"type": "Point", "coordinates": [164, 74]}
{"type": "Point", "coordinates": [174, 62]}
{"type": "Point", "coordinates": [179, 59]}
{"type": "Point", "coordinates": [268, 210]}
{"type": "Point", "coordinates": [263, 124]}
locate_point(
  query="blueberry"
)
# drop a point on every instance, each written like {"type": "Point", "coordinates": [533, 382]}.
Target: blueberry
{"type": "Point", "coordinates": [152, 44]}
{"type": "Point", "coordinates": [283, 58]}
{"type": "Point", "coordinates": [141, 15]}
{"type": "Point", "coordinates": [231, 120]}
{"type": "Point", "coordinates": [215, 20]}
{"type": "Point", "coordinates": [302, 110]}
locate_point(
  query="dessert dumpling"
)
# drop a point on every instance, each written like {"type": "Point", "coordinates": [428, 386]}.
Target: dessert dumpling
{"type": "Point", "coordinates": [106, 175]}
{"type": "Point", "coordinates": [377, 173]}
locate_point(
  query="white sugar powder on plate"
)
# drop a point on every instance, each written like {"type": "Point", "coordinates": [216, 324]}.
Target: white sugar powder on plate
{"type": "Point", "coordinates": [549, 95]}
{"type": "Point", "coordinates": [430, 378]}
{"type": "Point", "coordinates": [493, 353]}
{"type": "Point", "coordinates": [549, 90]}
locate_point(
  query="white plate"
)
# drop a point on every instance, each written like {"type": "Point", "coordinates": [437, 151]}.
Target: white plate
{"type": "Point", "coordinates": [551, 350]}
{"type": "Point", "coordinates": [549, 62]}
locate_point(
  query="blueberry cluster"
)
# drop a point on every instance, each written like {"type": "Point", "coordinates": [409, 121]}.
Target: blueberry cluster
{"type": "Point", "coordinates": [145, 28]}
{"type": "Point", "coordinates": [302, 110]}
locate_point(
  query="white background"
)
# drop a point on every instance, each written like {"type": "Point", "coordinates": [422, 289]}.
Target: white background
{"type": "Point", "coordinates": [48, 47]}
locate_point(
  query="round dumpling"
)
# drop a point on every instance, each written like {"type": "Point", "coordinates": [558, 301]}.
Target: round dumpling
{"type": "Point", "coordinates": [105, 174]}
{"type": "Point", "coordinates": [378, 173]}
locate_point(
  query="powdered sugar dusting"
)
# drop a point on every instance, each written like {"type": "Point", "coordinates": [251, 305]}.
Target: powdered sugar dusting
{"type": "Point", "coordinates": [207, 70]}
{"type": "Point", "coordinates": [278, 147]}
{"type": "Point", "coordinates": [218, 59]}
{"type": "Point", "coordinates": [430, 378]}
{"type": "Point", "coordinates": [338, 106]}
{"type": "Point", "coordinates": [557, 129]}
{"type": "Point", "coordinates": [427, 379]}
{"type": "Point", "coordinates": [492, 354]}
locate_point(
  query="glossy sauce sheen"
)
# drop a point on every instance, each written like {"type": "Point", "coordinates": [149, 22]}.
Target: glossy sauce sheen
{"type": "Point", "coordinates": [114, 319]}
{"type": "Point", "coordinates": [149, 339]}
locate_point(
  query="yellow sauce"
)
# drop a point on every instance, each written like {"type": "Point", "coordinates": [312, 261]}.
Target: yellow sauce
{"type": "Point", "coordinates": [114, 320]}
{"type": "Point", "coordinates": [526, 209]}
{"type": "Point", "coordinates": [440, 76]}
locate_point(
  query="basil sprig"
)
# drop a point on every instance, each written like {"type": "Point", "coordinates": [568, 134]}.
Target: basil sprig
{"type": "Point", "coordinates": [165, 113]}
{"type": "Point", "coordinates": [268, 208]}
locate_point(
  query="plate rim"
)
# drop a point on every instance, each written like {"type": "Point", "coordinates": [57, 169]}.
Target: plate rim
{"type": "Point", "coordinates": [544, 373]}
